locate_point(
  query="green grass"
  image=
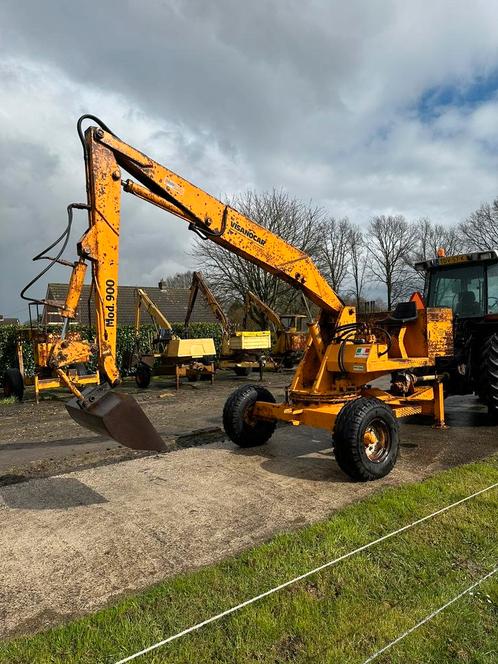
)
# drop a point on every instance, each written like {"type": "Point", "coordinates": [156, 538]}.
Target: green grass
{"type": "Point", "coordinates": [7, 401]}
{"type": "Point", "coordinates": [342, 614]}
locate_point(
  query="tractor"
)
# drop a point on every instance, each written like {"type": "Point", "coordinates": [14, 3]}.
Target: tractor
{"type": "Point", "coordinates": [468, 284]}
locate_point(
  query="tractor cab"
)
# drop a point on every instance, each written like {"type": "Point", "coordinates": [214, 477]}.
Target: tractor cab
{"type": "Point", "coordinates": [467, 284]}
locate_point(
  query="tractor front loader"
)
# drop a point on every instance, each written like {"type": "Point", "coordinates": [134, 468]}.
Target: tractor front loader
{"type": "Point", "coordinates": [331, 388]}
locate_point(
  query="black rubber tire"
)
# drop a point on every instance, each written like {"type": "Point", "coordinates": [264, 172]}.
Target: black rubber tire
{"type": "Point", "coordinates": [13, 384]}
{"type": "Point", "coordinates": [492, 377]}
{"type": "Point", "coordinates": [481, 380]}
{"type": "Point", "coordinates": [235, 416]}
{"type": "Point", "coordinates": [242, 371]}
{"type": "Point", "coordinates": [143, 376]}
{"type": "Point", "coordinates": [349, 447]}
{"type": "Point", "coordinates": [192, 377]}
{"type": "Point", "coordinates": [288, 362]}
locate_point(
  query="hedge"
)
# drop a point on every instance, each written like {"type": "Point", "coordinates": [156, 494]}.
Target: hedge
{"type": "Point", "coordinates": [125, 344]}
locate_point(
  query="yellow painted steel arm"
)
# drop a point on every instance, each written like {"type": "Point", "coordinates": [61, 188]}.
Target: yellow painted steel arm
{"type": "Point", "coordinates": [199, 284]}
{"type": "Point", "coordinates": [152, 310]}
{"type": "Point", "coordinates": [100, 245]}
{"type": "Point", "coordinates": [106, 156]}
{"type": "Point", "coordinates": [251, 299]}
{"type": "Point", "coordinates": [220, 223]}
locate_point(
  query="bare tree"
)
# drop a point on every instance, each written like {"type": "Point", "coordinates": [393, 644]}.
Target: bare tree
{"type": "Point", "coordinates": [480, 230]}
{"type": "Point", "coordinates": [358, 256]}
{"type": "Point", "coordinates": [429, 238]}
{"type": "Point", "coordinates": [335, 258]}
{"type": "Point", "coordinates": [178, 280]}
{"type": "Point", "coordinates": [231, 276]}
{"type": "Point", "coordinates": [390, 242]}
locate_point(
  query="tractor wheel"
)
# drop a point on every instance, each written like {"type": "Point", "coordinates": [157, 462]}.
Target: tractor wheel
{"type": "Point", "coordinates": [242, 371]}
{"type": "Point", "coordinates": [492, 377]}
{"type": "Point", "coordinates": [13, 384]}
{"type": "Point", "coordinates": [143, 376]}
{"type": "Point", "coordinates": [481, 379]}
{"type": "Point", "coordinates": [366, 439]}
{"type": "Point", "coordinates": [193, 377]}
{"type": "Point", "coordinates": [238, 422]}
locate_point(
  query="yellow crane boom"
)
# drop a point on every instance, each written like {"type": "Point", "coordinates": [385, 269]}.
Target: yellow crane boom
{"type": "Point", "coordinates": [251, 299]}
{"type": "Point", "coordinates": [154, 312]}
{"type": "Point", "coordinates": [200, 284]}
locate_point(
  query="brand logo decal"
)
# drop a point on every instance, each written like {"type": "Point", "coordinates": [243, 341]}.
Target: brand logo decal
{"type": "Point", "coordinates": [252, 236]}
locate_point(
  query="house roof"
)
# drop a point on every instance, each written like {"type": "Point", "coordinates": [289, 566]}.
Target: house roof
{"type": "Point", "coordinates": [8, 321]}
{"type": "Point", "coordinates": [172, 302]}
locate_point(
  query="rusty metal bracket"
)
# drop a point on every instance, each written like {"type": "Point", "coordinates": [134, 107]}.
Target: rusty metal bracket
{"type": "Point", "coordinates": [205, 234]}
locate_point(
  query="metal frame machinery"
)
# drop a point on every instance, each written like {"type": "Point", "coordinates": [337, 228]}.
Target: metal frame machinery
{"type": "Point", "coordinates": [290, 338]}
{"type": "Point", "coordinates": [42, 340]}
{"type": "Point", "coordinates": [242, 351]}
{"type": "Point", "coordinates": [468, 284]}
{"type": "Point", "coordinates": [170, 355]}
{"type": "Point", "coordinates": [331, 388]}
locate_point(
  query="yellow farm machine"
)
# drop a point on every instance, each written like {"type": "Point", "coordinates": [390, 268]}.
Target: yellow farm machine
{"type": "Point", "coordinates": [242, 351]}
{"type": "Point", "coordinates": [42, 340]}
{"type": "Point", "coordinates": [331, 388]}
{"type": "Point", "coordinates": [168, 354]}
{"type": "Point", "coordinates": [289, 329]}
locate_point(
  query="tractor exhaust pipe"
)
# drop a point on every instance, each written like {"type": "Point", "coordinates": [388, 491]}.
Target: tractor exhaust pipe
{"type": "Point", "coordinates": [117, 416]}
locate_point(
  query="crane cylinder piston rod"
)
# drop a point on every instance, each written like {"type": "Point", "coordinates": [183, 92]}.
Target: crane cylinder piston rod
{"type": "Point", "coordinates": [331, 386]}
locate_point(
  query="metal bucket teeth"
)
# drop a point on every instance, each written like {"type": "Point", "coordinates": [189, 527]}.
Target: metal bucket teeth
{"type": "Point", "coordinates": [117, 416]}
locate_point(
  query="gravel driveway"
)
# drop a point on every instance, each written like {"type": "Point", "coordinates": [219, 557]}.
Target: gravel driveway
{"type": "Point", "coordinates": [72, 542]}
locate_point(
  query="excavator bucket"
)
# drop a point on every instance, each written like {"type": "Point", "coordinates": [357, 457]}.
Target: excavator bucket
{"type": "Point", "coordinates": [117, 416]}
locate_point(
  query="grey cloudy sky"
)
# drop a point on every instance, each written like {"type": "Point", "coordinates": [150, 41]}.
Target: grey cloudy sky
{"type": "Point", "coordinates": [366, 107]}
